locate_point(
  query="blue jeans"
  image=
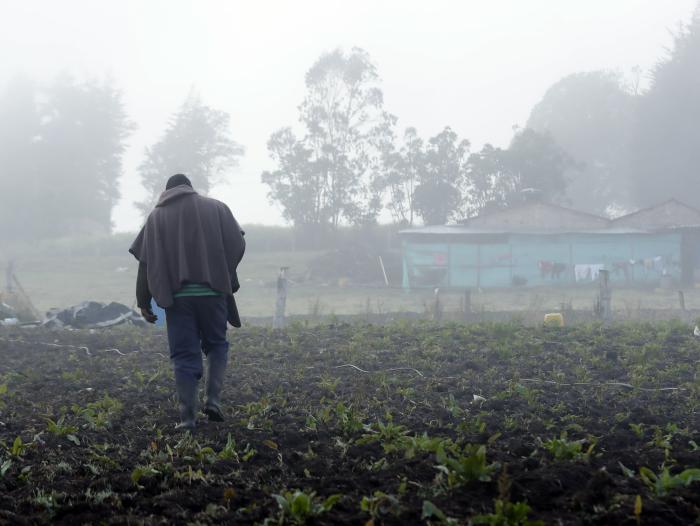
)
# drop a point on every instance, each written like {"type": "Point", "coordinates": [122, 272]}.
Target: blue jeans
{"type": "Point", "coordinates": [195, 325]}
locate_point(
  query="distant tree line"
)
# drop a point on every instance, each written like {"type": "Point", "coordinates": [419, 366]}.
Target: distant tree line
{"type": "Point", "coordinates": [351, 163]}
{"type": "Point", "coordinates": [634, 147]}
{"type": "Point", "coordinates": [197, 142]}
{"type": "Point", "coordinates": [62, 148]}
{"type": "Point", "coordinates": [61, 152]}
{"type": "Point", "coordinates": [596, 141]}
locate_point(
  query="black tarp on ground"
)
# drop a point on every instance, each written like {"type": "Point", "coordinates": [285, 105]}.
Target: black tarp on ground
{"type": "Point", "coordinates": [93, 314]}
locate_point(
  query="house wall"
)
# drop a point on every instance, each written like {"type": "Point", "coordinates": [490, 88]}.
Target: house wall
{"type": "Point", "coordinates": [498, 261]}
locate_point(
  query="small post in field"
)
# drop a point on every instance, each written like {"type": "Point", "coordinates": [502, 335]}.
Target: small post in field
{"type": "Point", "coordinates": [605, 295]}
{"type": "Point", "coordinates": [381, 264]}
{"type": "Point", "coordinates": [681, 300]}
{"type": "Point", "coordinates": [467, 306]}
{"type": "Point", "coordinates": [278, 321]}
{"type": "Point", "coordinates": [437, 306]}
{"type": "Point", "coordinates": [9, 275]}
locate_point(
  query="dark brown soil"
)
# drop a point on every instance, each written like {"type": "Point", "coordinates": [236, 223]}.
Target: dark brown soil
{"type": "Point", "coordinates": [306, 408]}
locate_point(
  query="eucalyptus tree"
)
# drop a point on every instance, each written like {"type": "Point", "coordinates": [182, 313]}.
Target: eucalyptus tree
{"type": "Point", "coordinates": [336, 161]}
{"type": "Point", "coordinates": [438, 197]}
{"type": "Point", "coordinates": [402, 167]}
{"type": "Point", "coordinates": [198, 143]}
{"type": "Point", "coordinates": [61, 149]}
{"type": "Point", "coordinates": [665, 147]}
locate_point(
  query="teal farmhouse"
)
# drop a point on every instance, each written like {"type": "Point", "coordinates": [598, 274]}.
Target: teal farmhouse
{"type": "Point", "coordinates": [541, 244]}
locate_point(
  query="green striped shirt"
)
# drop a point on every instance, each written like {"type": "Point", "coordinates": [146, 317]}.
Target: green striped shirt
{"type": "Point", "coordinates": [195, 289]}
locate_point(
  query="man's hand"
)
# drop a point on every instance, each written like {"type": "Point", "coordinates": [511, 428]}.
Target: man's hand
{"type": "Point", "coordinates": [148, 315]}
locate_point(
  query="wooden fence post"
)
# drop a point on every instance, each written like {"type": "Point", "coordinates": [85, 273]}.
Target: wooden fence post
{"type": "Point", "coordinates": [278, 321]}
{"type": "Point", "coordinates": [681, 300]}
{"type": "Point", "coordinates": [605, 295]}
{"type": "Point", "coordinates": [437, 306]}
{"type": "Point", "coordinates": [9, 274]}
{"type": "Point", "coordinates": [467, 311]}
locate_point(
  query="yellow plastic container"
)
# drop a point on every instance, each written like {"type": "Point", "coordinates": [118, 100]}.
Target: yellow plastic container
{"type": "Point", "coordinates": [554, 319]}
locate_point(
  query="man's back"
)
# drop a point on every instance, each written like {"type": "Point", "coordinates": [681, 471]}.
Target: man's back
{"type": "Point", "coordinates": [189, 238]}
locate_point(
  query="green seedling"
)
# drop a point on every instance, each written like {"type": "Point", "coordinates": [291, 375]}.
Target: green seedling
{"type": "Point", "coordinates": [190, 475]}
{"type": "Point", "coordinates": [64, 467]}
{"type": "Point", "coordinates": [142, 380]}
{"type": "Point", "coordinates": [426, 444]}
{"type": "Point", "coordinates": [638, 505]}
{"type": "Point", "coordinates": [18, 447]}
{"type": "Point", "coordinates": [472, 426]}
{"type": "Point", "coordinates": [452, 406]}
{"type": "Point", "coordinates": [248, 453]}
{"type": "Point", "coordinates": [627, 472]}
{"type": "Point", "coordinates": [190, 450]}
{"type": "Point", "coordinates": [229, 452]}
{"type": "Point", "coordinates": [257, 414]}
{"type": "Point", "coordinates": [25, 474]}
{"type": "Point", "coordinates": [324, 415]}
{"type": "Point", "coordinates": [74, 376]}
{"type": "Point", "coordinates": [61, 429]}
{"type": "Point", "coordinates": [379, 505]}
{"type": "Point", "coordinates": [99, 454]}
{"type": "Point", "coordinates": [563, 449]}
{"type": "Point", "coordinates": [99, 414]}
{"type": "Point", "coordinates": [663, 441]}
{"type": "Point", "coordinates": [529, 394]}
{"type": "Point", "coordinates": [434, 515]}
{"type": "Point", "coordinates": [297, 507]}
{"type": "Point", "coordinates": [348, 419]}
{"type": "Point", "coordinates": [48, 501]}
{"type": "Point", "coordinates": [507, 514]}
{"type": "Point", "coordinates": [99, 497]}
{"type": "Point", "coordinates": [638, 430]}
{"type": "Point", "coordinates": [378, 465]}
{"type": "Point", "coordinates": [3, 394]}
{"type": "Point", "coordinates": [141, 472]}
{"type": "Point", "coordinates": [329, 383]}
{"type": "Point", "coordinates": [470, 466]}
{"type": "Point", "coordinates": [391, 436]}
{"type": "Point", "coordinates": [5, 467]}
{"type": "Point", "coordinates": [663, 483]}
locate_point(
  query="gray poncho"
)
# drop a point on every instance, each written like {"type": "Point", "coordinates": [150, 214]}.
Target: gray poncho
{"type": "Point", "coordinates": [189, 238]}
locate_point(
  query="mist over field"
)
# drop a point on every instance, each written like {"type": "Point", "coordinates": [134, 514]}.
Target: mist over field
{"type": "Point", "coordinates": [478, 67]}
{"type": "Point", "coordinates": [335, 263]}
{"type": "Point", "coordinates": [325, 119]}
{"type": "Point", "coordinates": [339, 126]}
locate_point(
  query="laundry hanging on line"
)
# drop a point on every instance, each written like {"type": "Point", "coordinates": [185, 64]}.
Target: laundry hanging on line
{"type": "Point", "coordinates": [587, 271]}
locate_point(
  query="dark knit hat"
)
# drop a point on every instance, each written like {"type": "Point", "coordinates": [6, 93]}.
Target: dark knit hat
{"type": "Point", "coordinates": [177, 180]}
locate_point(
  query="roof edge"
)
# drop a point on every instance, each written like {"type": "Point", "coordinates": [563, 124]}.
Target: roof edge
{"type": "Point", "coordinates": [652, 207]}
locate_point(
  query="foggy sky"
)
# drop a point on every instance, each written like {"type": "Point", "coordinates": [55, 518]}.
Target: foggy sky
{"type": "Point", "coordinates": [478, 66]}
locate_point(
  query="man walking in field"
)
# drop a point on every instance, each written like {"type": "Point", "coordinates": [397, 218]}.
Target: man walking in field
{"type": "Point", "coordinates": [188, 252]}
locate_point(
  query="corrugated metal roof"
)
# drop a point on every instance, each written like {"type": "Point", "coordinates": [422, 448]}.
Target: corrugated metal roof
{"type": "Point", "coordinates": [526, 208]}
{"type": "Point", "coordinates": [619, 226]}
{"type": "Point", "coordinates": [661, 216]}
{"type": "Point", "coordinates": [459, 230]}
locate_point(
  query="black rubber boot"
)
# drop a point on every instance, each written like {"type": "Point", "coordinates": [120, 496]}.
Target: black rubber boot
{"type": "Point", "coordinates": [186, 387]}
{"type": "Point", "coordinates": [216, 372]}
